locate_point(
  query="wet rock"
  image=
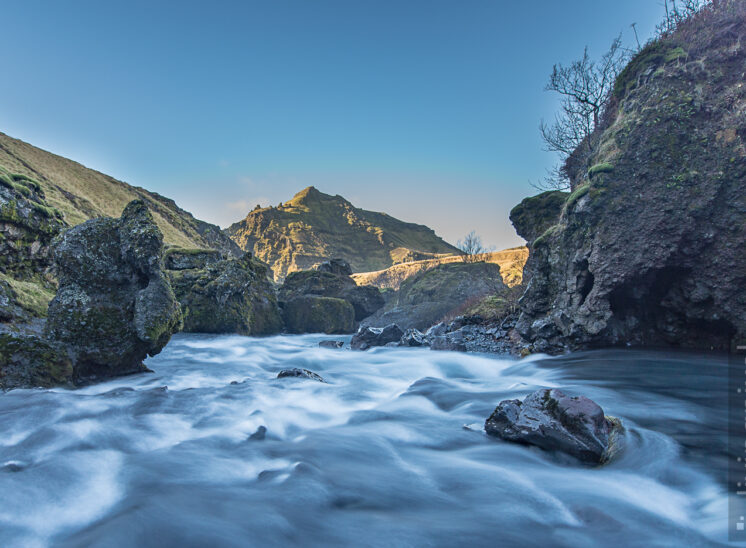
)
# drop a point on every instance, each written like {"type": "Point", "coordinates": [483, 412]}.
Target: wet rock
{"type": "Point", "coordinates": [367, 337]}
{"type": "Point", "coordinates": [314, 314]}
{"type": "Point", "coordinates": [413, 337]}
{"type": "Point", "coordinates": [556, 422]}
{"type": "Point", "coordinates": [302, 373]}
{"type": "Point", "coordinates": [29, 362]}
{"type": "Point", "coordinates": [437, 330]}
{"type": "Point", "coordinates": [114, 305]}
{"type": "Point", "coordinates": [259, 435]}
{"type": "Point", "coordinates": [224, 295]}
{"type": "Point", "coordinates": [450, 341]}
{"type": "Point", "coordinates": [331, 344]}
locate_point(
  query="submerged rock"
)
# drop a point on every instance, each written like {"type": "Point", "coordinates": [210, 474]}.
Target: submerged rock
{"type": "Point", "coordinates": [302, 373]}
{"type": "Point", "coordinates": [556, 422]}
{"type": "Point", "coordinates": [331, 344]}
{"type": "Point", "coordinates": [224, 295]}
{"type": "Point", "coordinates": [114, 305]}
{"type": "Point", "coordinates": [367, 337]}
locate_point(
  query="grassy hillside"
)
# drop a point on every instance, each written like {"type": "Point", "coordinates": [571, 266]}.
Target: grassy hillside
{"type": "Point", "coordinates": [510, 261]}
{"type": "Point", "coordinates": [80, 193]}
{"type": "Point", "coordinates": [314, 226]}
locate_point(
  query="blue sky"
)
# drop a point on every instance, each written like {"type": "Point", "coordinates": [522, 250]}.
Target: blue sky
{"type": "Point", "coordinates": [427, 110]}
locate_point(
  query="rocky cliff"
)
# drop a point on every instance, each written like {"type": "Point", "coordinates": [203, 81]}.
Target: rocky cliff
{"type": "Point", "coordinates": [314, 226]}
{"type": "Point", "coordinates": [650, 246]}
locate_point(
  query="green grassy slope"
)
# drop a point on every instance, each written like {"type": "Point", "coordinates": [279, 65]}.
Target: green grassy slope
{"type": "Point", "coordinates": [81, 193]}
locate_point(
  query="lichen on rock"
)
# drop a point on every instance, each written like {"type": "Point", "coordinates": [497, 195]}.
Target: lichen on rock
{"type": "Point", "coordinates": [114, 307]}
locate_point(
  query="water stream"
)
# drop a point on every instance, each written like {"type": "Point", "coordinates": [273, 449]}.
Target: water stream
{"type": "Point", "coordinates": [389, 452]}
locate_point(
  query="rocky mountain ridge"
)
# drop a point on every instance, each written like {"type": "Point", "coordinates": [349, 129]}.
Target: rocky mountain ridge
{"type": "Point", "coordinates": [313, 227]}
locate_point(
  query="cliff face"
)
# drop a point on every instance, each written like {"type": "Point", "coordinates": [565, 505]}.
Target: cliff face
{"type": "Point", "coordinates": [313, 227]}
{"type": "Point", "coordinates": [650, 247]}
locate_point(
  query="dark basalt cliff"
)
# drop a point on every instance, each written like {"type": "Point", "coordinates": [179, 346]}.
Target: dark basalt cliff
{"type": "Point", "coordinates": [650, 246]}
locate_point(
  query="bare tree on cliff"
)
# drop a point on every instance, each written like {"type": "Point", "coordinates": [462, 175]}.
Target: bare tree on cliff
{"type": "Point", "coordinates": [471, 247]}
{"type": "Point", "coordinates": [585, 86]}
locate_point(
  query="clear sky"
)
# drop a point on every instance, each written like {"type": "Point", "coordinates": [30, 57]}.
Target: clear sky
{"type": "Point", "coordinates": [427, 110]}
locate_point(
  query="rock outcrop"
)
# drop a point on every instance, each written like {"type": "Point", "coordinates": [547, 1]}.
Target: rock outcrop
{"type": "Point", "coordinates": [330, 280]}
{"type": "Point", "coordinates": [426, 298]}
{"type": "Point", "coordinates": [114, 305]}
{"type": "Point", "coordinates": [555, 422]}
{"type": "Point", "coordinates": [649, 247]}
{"type": "Point", "coordinates": [27, 361]}
{"type": "Point", "coordinates": [220, 295]}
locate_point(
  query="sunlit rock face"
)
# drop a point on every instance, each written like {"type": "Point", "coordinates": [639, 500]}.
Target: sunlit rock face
{"type": "Point", "coordinates": [114, 305]}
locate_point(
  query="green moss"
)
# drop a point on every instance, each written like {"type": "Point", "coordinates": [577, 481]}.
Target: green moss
{"type": "Point", "coordinates": [653, 55]}
{"type": "Point", "coordinates": [576, 195]}
{"type": "Point", "coordinates": [319, 315]}
{"type": "Point", "coordinates": [545, 237]}
{"type": "Point", "coordinates": [27, 362]}
{"type": "Point", "coordinates": [604, 167]}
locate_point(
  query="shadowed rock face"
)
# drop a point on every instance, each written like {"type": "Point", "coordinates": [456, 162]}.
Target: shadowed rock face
{"type": "Point", "coordinates": [331, 280]}
{"type": "Point", "coordinates": [315, 314]}
{"type": "Point", "coordinates": [224, 296]}
{"type": "Point", "coordinates": [649, 250]}
{"type": "Point", "coordinates": [114, 305]}
{"type": "Point", "coordinates": [556, 422]}
{"type": "Point", "coordinates": [29, 362]}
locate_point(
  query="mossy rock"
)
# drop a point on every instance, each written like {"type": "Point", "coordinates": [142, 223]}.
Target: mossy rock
{"type": "Point", "coordinates": [29, 362]}
{"type": "Point", "coordinates": [536, 214]}
{"type": "Point", "coordinates": [313, 314]}
{"type": "Point", "coordinates": [228, 296]}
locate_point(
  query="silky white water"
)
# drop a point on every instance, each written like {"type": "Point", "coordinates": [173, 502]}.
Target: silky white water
{"type": "Point", "coordinates": [389, 452]}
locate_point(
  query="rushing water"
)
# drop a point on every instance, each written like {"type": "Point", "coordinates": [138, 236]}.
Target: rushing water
{"type": "Point", "coordinates": [389, 452]}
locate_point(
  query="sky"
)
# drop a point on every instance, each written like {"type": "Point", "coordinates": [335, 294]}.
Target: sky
{"type": "Point", "coordinates": [425, 109]}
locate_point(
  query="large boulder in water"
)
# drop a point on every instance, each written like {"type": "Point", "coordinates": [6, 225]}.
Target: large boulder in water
{"type": "Point", "coordinates": [224, 295]}
{"type": "Point", "coordinates": [114, 305]}
{"type": "Point", "coordinates": [314, 314]}
{"type": "Point", "coordinates": [332, 279]}
{"type": "Point", "coordinates": [556, 422]}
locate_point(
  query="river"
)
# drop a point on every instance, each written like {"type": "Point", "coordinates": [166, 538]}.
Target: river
{"type": "Point", "coordinates": [389, 451]}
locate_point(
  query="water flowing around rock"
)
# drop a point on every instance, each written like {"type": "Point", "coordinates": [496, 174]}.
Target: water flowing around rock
{"type": "Point", "coordinates": [213, 449]}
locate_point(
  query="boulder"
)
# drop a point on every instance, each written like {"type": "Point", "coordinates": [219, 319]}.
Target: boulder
{"type": "Point", "coordinates": [114, 305]}
{"type": "Point", "coordinates": [177, 258]}
{"type": "Point", "coordinates": [433, 294]}
{"type": "Point", "coordinates": [339, 267]}
{"type": "Point", "coordinates": [29, 362]}
{"type": "Point", "coordinates": [367, 337]}
{"type": "Point", "coordinates": [314, 314]}
{"type": "Point", "coordinates": [413, 337]}
{"type": "Point", "coordinates": [553, 421]}
{"type": "Point", "coordinates": [224, 296]}
{"type": "Point", "coordinates": [331, 344]}
{"type": "Point", "coordinates": [453, 340]}
{"type": "Point", "coordinates": [332, 281]}
{"type": "Point", "coordinates": [300, 373]}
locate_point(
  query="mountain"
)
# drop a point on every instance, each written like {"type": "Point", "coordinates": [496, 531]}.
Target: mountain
{"type": "Point", "coordinates": [80, 193]}
{"type": "Point", "coordinates": [314, 226]}
{"type": "Point", "coordinates": [649, 249]}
